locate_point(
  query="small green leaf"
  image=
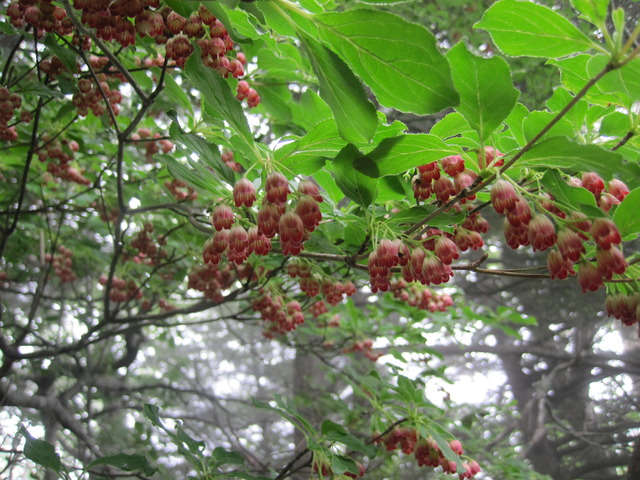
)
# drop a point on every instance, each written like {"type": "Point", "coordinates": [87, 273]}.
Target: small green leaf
{"type": "Point", "coordinates": [399, 154]}
{"type": "Point", "coordinates": [152, 413]}
{"type": "Point", "coordinates": [560, 152]}
{"type": "Point", "coordinates": [623, 82]}
{"type": "Point", "coordinates": [528, 29]}
{"type": "Point", "coordinates": [40, 452]}
{"type": "Point", "coordinates": [176, 93]}
{"type": "Point", "coordinates": [308, 154]}
{"type": "Point", "coordinates": [206, 152]}
{"type": "Point", "coordinates": [329, 426]}
{"type": "Point", "coordinates": [220, 456]}
{"type": "Point", "coordinates": [626, 215]}
{"type": "Point", "coordinates": [416, 214]}
{"type": "Point", "coordinates": [340, 464]}
{"type": "Point", "coordinates": [194, 446]}
{"type": "Point", "coordinates": [451, 125]}
{"type": "Point", "coordinates": [128, 463]}
{"type": "Point", "coordinates": [537, 120]}
{"type": "Point", "coordinates": [197, 177]}
{"type": "Point", "coordinates": [66, 55]}
{"type": "Point", "coordinates": [398, 60]}
{"type": "Point", "coordinates": [487, 94]}
{"type": "Point", "coordinates": [594, 11]}
{"type": "Point", "coordinates": [574, 197]}
{"type": "Point", "coordinates": [355, 185]}
{"type": "Point", "coordinates": [354, 114]}
{"type": "Point", "coordinates": [218, 96]}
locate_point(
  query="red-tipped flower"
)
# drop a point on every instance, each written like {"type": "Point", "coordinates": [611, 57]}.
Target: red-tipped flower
{"type": "Point", "coordinates": [503, 196]}
{"type": "Point", "coordinates": [605, 233]}
{"type": "Point", "coordinates": [244, 193]}
{"type": "Point", "coordinates": [542, 233]}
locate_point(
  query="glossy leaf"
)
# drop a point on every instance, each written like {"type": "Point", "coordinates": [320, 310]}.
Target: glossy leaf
{"type": "Point", "coordinates": [560, 152]}
{"type": "Point", "coordinates": [527, 29]}
{"type": "Point", "coordinates": [398, 60]}
{"type": "Point", "coordinates": [355, 185]}
{"type": "Point", "coordinates": [221, 456]}
{"type": "Point", "coordinates": [41, 452]}
{"type": "Point", "coordinates": [207, 152]}
{"type": "Point", "coordinates": [218, 96]}
{"type": "Point", "coordinates": [399, 154]}
{"type": "Point", "coordinates": [308, 154]}
{"type": "Point", "coordinates": [354, 114]}
{"type": "Point", "coordinates": [626, 215]}
{"type": "Point", "coordinates": [487, 94]}
{"type": "Point", "coordinates": [574, 197]}
{"type": "Point", "coordinates": [594, 11]}
{"type": "Point", "coordinates": [536, 121]}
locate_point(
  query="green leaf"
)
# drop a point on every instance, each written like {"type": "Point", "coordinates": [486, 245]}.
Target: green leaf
{"type": "Point", "coordinates": [537, 120]}
{"type": "Point", "coordinates": [354, 114]}
{"type": "Point", "coordinates": [235, 20]}
{"type": "Point", "coordinates": [66, 55]}
{"type": "Point", "coordinates": [399, 154]}
{"type": "Point", "coordinates": [528, 29]}
{"type": "Point", "coordinates": [560, 152]}
{"type": "Point", "coordinates": [487, 94]}
{"type": "Point", "coordinates": [218, 96]}
{"type": "Point", "coordinates": [623, 82]}
{"type": "Point", "coordinates": [398, 60]}
{"type": "Point", "coordinates": [40, 452]}
{"type": "Point", "coordinates": [451, 125]}
{"type": "Point", "coordinates": [207, 152]}
{"type": "Point", "coordinates": [308, 154]}
{"type": "Point", "coordinates": [220, 456]}
{"type": "Point", "coordinates": [616, 124]}
{"type": "Point", "coordinates": [340, 464]}
{"type": "Point", "coordinates": [515, 122]}
{"type": "Point", "coordinates": [574, 197]}
{"type": "Point", "coordinates": [194, 446]}
{"type": "Point", "coordinates": [128, 463]}
{"type": "Point", "coordinates": [416, 214]}
{"type": "Point", "coordinates": [329, 427]}
{"type": "Point", "coordinates": [176, 93]}
{"type": "Point", "coordinates": [152, 413]}
{"type": "Point", "coordinates": [358, 187]}
{"type": "Point", "coordinates": [594, 11]}
{"type": "Point", "coordinates": [198, 176]}
{"type": "Point", "coordinates": [626, 215]}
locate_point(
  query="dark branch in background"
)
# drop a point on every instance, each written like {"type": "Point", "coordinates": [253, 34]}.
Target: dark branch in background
{"type": "Point", "coordinates": [5, 233]}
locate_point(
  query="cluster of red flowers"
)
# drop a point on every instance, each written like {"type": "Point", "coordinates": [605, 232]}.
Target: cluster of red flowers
{"type": "Point", "coordinates": [429, 180]}
{"type": "Point", "coordinates": [228, 158]}
{"type": "Point", "coordinates": [427, 263]}
{"type": "Point", "coordinates": [292, 225]}
{"type": "Point", "coordinates": [280, 317]}
{"type": "Point", "coordinates": [422, 298]}
{"type": "Point", "coordinates": [213, 279]}
{"type": "Point", "coordinates": [180, 190]}
{"type": "Point", "coordinates": [59, 155]}
{"type": "Point", "coordinates": [311, 284]}
{"type": "Point", "coordinates": [625, 306]}
{"type": "Point", "coordinates": [148, 249]}
{"type": "Point", "coordinates": [366, 347]}
{"type": "Point", "coordinates": [9, 103]}
{"type": "Point", "coordinates": [62, 264]}
{"type": "Point", "coordinates": [121, 290]}
{"type": "Point", "coordinates": [90, 95]}
{"type": "Point", "coordinates": [426, 451]}
{"type": "Point", "coordinates": [152, 143]}
{"type": "Point", "coordinates": [566, 245]}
